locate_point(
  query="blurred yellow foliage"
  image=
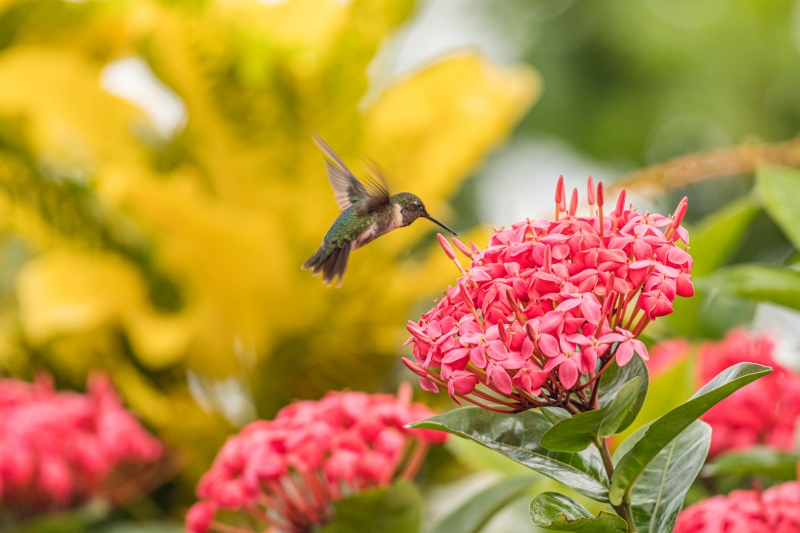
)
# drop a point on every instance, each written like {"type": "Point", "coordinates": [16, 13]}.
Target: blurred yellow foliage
{"type": "Point", "coordinates": [150, 255]}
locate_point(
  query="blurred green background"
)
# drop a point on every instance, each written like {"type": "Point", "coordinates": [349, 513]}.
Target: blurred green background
{"type": "Point", "coordinates": [159, 187]}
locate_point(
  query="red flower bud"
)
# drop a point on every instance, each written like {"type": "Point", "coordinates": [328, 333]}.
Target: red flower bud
{"type": "Point", "coordinates": [414, 367]}
{"type": "Point", "coordinates": [446, 246]}
{"type": "Point", "coordinates": [573, 202]}
{"type": "Point", "coordinates": [560, 190]}
{"type": "Point", "coordinates": [199, 517]}
{"type": "Point", "coordinates": [620, 204]}
{"type": "Point", "coordinates": [680, 211]}
{"type": "Point", "coordinates": [463, 248]}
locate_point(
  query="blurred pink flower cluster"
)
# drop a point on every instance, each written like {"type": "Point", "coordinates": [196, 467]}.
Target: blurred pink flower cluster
{"type": "Point", "coordinates": [764, 412]}
{"type": "Point", "coordinates": [286, 473]}
{"type": "Point", "coordinates": [57, 448]}
{"type": "Point", "coordinates": [546, 299]}
{"type": "Point", "coordinates": [776, 510]}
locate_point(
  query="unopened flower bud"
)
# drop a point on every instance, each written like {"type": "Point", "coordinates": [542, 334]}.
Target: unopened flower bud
{"type": "Point", "coordinates": [414, 330]}
{"type": "Point", "coordinates": [512, 302]}
{"type": "Point", "coordinates": [680, 212]}
{"type": "Point", "coordinates": [573, 202]}
{"type": "Point", "coordinates": [560, 190]}
{"type": "Point", "coordinates": [199, 517]}
{"type": "Point", "coordinates": [620, 204]}
{"type": "Point", "coordinates": [463, 248]}
{"type": "Point", "coordinates": [610, 283]}
{"type": "Point", "coordinates": [446, 246]}
{"type": "Point", "coordinates": [414, 367]}
{"type": "Point", "coordinates": [601, 196]}
{"type": "Point", "coordinates": [590, 191]}
{"type": "Point", "coordinates": [467, 297]}
{"type": "Point", "coordinates": [530, 332]}
{"type": "Point", "coordinates": [501, 330]}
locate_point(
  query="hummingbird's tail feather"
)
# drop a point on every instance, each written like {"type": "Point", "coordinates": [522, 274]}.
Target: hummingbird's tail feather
{"type": "Point", "coordinates": [331, 261]}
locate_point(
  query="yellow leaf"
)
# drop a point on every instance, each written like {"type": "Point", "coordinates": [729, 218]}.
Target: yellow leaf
{"type": "Point", "coordinates": [67, 292]}
{"type": "Point", "coordinates": [73, 123]}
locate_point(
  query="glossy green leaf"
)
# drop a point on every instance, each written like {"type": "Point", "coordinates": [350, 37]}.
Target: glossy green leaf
{"type": "Point", "coordinates": [756, 461]}
{"type": "Point", "coordinates": [396, 509]}
{"type": "Point", "coordinates": [517, 437]}
{"type": "Point", "coordinates": [556, 512]}
{"type": "Point", "coordinates": [661, 432]}
{"type": "Point", "coordinates": [555, 414]}
{"type": "Point", "coordinates": [616, 377]}
{"type": "Point", "coordinates": [780, 191]}
{"type": "Point", "coordinates": [758, 282]}
{"type": "Point", "coordinates": [576, 433]}
{"type": "Point", "coordinates": [658, 494]}
{"type": "Point", "coordinates": [473, 514]}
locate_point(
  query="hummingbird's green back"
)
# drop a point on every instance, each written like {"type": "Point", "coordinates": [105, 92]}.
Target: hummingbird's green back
{"type": "Point", "coordinates": [348, 226]}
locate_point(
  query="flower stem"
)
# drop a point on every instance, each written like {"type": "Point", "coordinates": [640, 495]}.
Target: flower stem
{"type": "Point", "coordinates": [624, 509]}
{"type": "Point", "coordinates": [417, 457]}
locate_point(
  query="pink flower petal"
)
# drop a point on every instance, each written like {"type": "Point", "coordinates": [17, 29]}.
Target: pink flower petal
{"type": "Point", "coordinates": [428, 385]}
{"type": "Point", "coordinates": [501, 380]}
{"type": "Point", "coordinates": [548, 345]}
{"type": "Point", "coordinates": [455, 355]}
{"type": "Point", "coordinates": [568, 373]}
{"type": "Point", "coordinates": [624, 353]}
{"type": "Point", "coordinates": [477, 357]}
{"type": "Point", "coordinates": [554, 362]}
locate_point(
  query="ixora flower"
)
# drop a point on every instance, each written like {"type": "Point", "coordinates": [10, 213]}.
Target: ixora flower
{"type": "Point", "coordinates": [59, 449]}
{"type": "Point", "coordinates": [775, 510]}
{"type": "Point", "coordinates": [545, 308]}
{"type": "Point", "coordinates": [286, 473]}
{"type": "Point", "coordinates": [767, 411]}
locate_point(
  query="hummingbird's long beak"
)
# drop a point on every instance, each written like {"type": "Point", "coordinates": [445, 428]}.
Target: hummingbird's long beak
{"type": "Point", "coordinates": [426, 215]}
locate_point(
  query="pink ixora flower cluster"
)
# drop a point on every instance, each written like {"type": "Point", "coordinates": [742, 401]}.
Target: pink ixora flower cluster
{"type": "Point", "coordinates": [775, 510]}
{"type": "Point", "coordinates": [547, 299]}
{"type": "Point", "coordinates": [764, 412]}
{"type": "Point", "coordinates": [285, 474]}
{"type": "Point", "coordinates": [58, 448]}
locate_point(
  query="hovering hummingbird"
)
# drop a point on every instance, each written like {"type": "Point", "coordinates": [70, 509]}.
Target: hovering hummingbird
{"type": "Point", "coordinates": [369, 210]}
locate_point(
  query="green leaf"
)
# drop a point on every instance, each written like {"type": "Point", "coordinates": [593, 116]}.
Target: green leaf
{"type": "Point", "coordinates": [756, 461]}
{"type": "Point", "coordinates": [780, 191]}
{"type": "Point", "coordinates": [578, 432]}
{"type": "Point", "coordinates": [396, 509]}
{"type": "Point", "coordinates": [616, 377]}
{"type": "Point", "coordinates": [758, 282]}
{"type": "Point", "coordinates": [555, 414]}
{"type": "Point", "coordinates": [517, 437]}
{"type": "Point", "coordinates": [658, 494]}
{"type": "Point", "coordinates": [556, 512]}
{"type": "Point", "coordinates": [140, 527]}
{"type": "Point", "coordinates": [476, 512]}
{"type": "Point", "coordinates": [662, 431]}
{"type": "Point", "coordinates": [717, 235]}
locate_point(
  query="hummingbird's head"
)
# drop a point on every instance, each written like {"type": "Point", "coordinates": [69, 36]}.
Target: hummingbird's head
{"type": "Point", "coordinates": [412, 208]}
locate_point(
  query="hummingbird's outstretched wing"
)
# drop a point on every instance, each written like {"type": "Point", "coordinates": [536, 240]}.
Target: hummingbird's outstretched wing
{"type": "Point", "coordinates": [377, 189]}
{"type": "Point", "coordinates": [347, 189]}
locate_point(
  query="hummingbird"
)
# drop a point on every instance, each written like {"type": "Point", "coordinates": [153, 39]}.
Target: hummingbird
{"type": "Point", "coordinates": [369, 211]}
